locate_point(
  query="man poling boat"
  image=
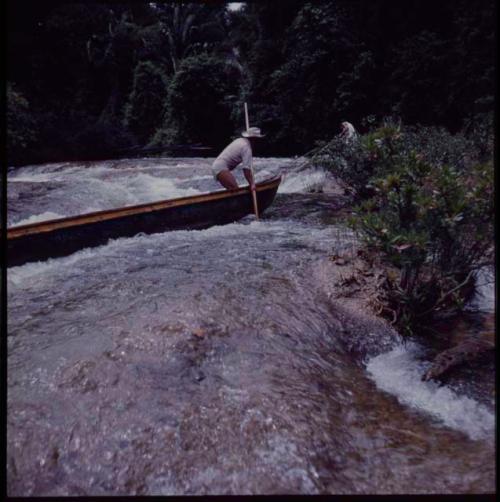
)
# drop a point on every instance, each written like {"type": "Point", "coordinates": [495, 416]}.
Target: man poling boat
{"type": "Point", "coordinates": [239, 153]}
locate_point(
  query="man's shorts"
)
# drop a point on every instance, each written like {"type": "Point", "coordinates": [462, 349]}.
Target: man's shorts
{"type": "Point", "coordinates": [217, 167]}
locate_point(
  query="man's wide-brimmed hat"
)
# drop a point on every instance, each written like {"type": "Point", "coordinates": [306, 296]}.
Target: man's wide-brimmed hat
{"type": "Point", "coordinates": [252, 132]}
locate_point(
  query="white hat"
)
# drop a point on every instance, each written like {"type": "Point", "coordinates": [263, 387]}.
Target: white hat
{"type": "Point", "coordinates": [252, 132]}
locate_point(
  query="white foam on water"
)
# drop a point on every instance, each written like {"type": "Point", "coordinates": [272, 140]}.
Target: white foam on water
{"type": "Point", "coordinates": [47, 215]}
{"type": "Point", "coordinates": [180, 164]}
{"type": "Point", "coordinates": [16, 275]}
{"type": "Point", "coordinates": [274, 161]}
{"type": "Point", "coordinates": [399, 373]}
{"type": "Point", "coordinates": [320, 239]}
{"type": "Point", "coordinates": [484, 296]}
{"type": "Point", "coordinates": [34, 178]}
{"type": "Point", "coordinates": [264, 174]}
{"type": "Point", "coordinates": [147, 188]}
{"type": "Point", "coordinates": [99, 188]}
{"type": "Point", "coordinates": [303, 181]}
{"type": "Point", "coordinates": [43, 172]}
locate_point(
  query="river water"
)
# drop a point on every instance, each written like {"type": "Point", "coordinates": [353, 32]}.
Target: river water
{"type": "Point", "coordinates": [216, 361]}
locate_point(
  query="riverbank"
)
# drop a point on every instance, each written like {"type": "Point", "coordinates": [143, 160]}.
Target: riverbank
{"type": "Point", "coordinates": [458, 351]}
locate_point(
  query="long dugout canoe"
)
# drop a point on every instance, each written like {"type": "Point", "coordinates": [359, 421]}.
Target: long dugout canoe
{"type": "Point", "coordinates": [63, 236]}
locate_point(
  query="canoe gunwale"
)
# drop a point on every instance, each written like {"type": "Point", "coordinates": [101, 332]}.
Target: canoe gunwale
{"type": "Point", "coordinates": [110, 214]}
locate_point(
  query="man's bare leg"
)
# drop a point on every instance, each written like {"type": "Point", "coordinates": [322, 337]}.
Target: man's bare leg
{"type": "Point", "coordinates": [227, 180]}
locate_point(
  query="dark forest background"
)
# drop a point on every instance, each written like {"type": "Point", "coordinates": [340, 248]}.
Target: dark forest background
{"type": "Point", "coordinates": [94, 80]}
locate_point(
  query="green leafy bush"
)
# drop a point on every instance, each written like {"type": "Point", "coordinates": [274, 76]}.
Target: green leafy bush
{"type": "Point", "coordinates": [382, 149]}
{"type": "Point", "coordinates": [425, 209]}
{"type": "Point", "coordinates": [480, 129]}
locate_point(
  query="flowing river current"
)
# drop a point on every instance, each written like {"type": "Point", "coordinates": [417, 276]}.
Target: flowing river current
{"type": "Point", "coordinates": [216, 361]}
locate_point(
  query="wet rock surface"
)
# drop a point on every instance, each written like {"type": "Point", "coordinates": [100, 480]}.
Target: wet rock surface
{"type": "Point", "coordinates": [222, 361]}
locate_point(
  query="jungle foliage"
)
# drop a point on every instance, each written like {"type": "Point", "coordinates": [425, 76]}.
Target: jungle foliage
{"type": "Point", "coordinates": [90, 79]}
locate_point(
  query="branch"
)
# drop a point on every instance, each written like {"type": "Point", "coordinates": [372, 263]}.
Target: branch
{"type": "Point", "coordinates": [446, 295]}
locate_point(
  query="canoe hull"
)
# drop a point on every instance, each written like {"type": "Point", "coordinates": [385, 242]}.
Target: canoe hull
{"type": "Point", "coordinates": [63, 237]}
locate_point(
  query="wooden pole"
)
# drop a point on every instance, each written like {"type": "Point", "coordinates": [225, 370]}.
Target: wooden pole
{"type": "Point", "coordinates": [246, 117]}
{"type": "Point", "coordinates": [254, 195]}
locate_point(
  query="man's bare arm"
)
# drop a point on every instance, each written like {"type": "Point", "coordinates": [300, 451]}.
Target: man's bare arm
{"type": "Point", "coordinates": [249, 177]}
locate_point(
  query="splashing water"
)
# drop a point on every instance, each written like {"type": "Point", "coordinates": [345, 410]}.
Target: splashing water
{"type": "Point", "coordinates": [484, 297]}
{"type": "Point", "coordinates": [399, 373]}
{"type": "Point", "coordinates": [307, 181]}
{"type": "Point", "coordinates": [214, 361]}
{"type": "Point", "coordinates": [47, 215]}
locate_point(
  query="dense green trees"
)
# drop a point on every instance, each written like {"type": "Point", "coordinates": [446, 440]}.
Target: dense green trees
{"type": "Point", "coordinates": [144, 108]}
{"type": "Point", "coordinates": [201, 94]}
{"type": "Point", "coordinates": [317, 51]}
{"type": "Point", "coordinates": [100, 77]}
{"type": "Point", "coordinates": [190, 28]}
{"type": "Point", "coordinates": [22, 132]}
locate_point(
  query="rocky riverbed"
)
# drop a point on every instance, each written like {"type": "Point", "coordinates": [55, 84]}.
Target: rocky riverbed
{"type": "Point", "coordinates": [241, 359]}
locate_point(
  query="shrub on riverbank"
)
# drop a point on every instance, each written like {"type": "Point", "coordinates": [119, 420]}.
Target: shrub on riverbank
{"type": "Point", "coordinates": [425, 210]}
